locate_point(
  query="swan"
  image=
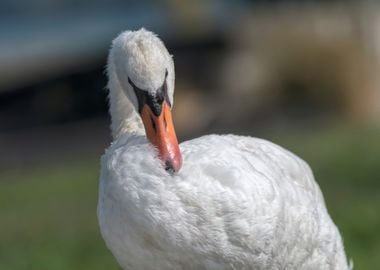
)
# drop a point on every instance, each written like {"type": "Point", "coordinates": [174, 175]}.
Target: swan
{"type": "Point", "coordinates": [214, 202]}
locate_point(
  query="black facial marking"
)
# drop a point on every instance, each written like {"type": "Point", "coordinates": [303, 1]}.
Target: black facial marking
{"type": "Point", "coordinates": [140, 94]}
{"type": "Point", "coordinates": [154, 102]}
{"type": "Point", "coordinates": [164, 91]}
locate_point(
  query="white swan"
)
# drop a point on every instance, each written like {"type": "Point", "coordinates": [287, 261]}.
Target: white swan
{"type": "Point", "coordinates": [236, 203]}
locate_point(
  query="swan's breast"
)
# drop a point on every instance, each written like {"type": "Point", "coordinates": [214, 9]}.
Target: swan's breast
{"type": "Point", "coordinates": [236, 201]}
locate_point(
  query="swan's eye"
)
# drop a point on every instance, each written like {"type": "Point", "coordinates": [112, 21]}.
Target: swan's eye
{"type": "Point", "coordinates": [166, 74]}
{"type": "Point", "coordinates": [164, 91]}
{"type": "Point", "coordinates": [141, 95]}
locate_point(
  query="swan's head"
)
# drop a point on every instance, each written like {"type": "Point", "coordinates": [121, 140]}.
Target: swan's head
{"type": "Point", "coordinates": [145, 71]}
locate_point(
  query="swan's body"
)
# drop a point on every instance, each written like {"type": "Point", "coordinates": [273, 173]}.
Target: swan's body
{"type": "Point", "coordinates": [236, 203]}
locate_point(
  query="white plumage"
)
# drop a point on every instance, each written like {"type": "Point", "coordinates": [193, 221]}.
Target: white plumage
{"type": "Point", "coordinates": [236, 203]}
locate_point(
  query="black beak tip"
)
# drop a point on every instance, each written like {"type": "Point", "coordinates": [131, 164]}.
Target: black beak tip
{"type": "Point", "coordinates": [169, 167]}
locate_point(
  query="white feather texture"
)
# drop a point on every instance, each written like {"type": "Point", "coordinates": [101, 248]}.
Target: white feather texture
{"type": "Point", "coordinates": [237, 203]}
{"type": "Point", "coordinates": [142, 57]}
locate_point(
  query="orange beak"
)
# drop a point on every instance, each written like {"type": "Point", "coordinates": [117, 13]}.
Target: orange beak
{"type": "Point", "coordinates": [160, 132]}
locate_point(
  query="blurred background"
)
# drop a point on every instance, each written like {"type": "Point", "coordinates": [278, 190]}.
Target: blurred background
{"type": "Point", "coordinates": [303, 74]}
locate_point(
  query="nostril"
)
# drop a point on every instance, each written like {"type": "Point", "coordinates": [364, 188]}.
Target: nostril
{"type": "Point", "coordinates": [165, 123]}
{"type": "Point", "coordinates": [169, 167]}
{"type": "Point", "coordinates": [153, 124]}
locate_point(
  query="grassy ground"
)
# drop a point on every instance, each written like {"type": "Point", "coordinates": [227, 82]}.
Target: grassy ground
{"type": "Point", "coordinates": [48, 214]}
{"type": "Point", "coordinates": [48, 219]}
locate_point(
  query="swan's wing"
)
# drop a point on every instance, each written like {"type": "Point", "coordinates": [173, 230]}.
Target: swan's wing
{"type": "Point", "coordinates": [251, 156]}
{"type": "Point", "coordinates": [289, 165]}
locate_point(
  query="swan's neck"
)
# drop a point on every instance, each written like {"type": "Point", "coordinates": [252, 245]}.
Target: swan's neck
{"type": "Point", "coordinates": [124, 118]}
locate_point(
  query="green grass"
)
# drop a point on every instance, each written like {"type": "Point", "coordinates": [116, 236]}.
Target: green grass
{"type": "Point", "coordinates": [48, 219]}
{"type": "Point", "coordinates": [48, 214]}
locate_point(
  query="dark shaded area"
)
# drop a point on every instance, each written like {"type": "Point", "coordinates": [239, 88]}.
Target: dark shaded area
{"type": "Point", "coordinates": [57, 101]}
{"type": "Point", "coordinates": [82, 94]}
